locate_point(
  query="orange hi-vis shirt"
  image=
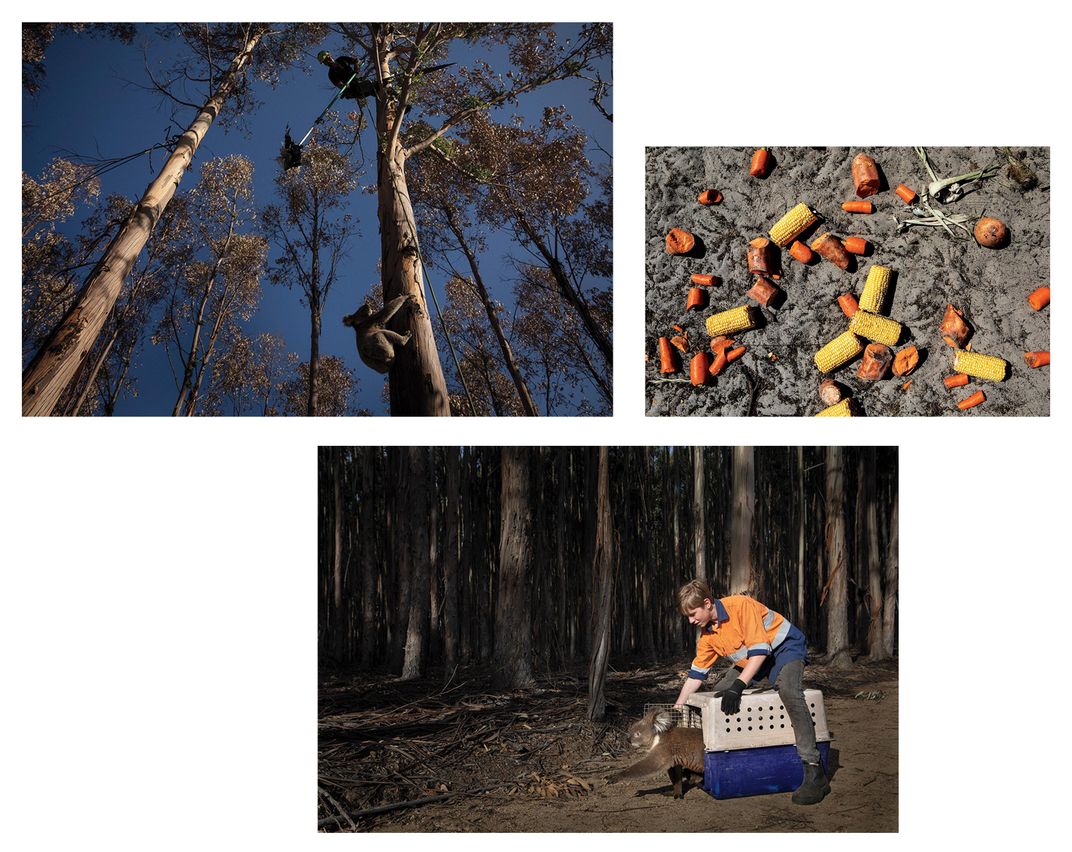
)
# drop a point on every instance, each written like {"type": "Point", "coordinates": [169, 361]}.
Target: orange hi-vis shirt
{"type": "Point", "coordinates": [744, 628]}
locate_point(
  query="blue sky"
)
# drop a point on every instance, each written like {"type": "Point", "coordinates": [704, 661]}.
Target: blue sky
{"type": "Point", "coordinates": [91, 104]}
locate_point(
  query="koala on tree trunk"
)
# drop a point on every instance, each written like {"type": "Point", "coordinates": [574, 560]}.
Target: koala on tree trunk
{"type": "Point", "coordinates": [376, 344]}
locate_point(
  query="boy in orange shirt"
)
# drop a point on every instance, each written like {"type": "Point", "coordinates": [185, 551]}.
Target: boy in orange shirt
{"type": "Point", "coordinates": [761, 644]}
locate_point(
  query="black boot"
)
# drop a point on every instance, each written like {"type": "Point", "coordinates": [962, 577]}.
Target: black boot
{"type": "Point", "coordinates": [815, 785]}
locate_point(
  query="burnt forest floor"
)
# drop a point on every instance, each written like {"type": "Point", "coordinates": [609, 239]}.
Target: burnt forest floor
{"type": "Point", "coordinates": [492, 761]}
{"type": "Point", "coordinates": [777, 376]}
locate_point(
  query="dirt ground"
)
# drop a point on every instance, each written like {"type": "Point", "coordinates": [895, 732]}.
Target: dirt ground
{"type": "Point", "coordinates": [383, 742]}
{"type": "Point", "coordinates": [777, 375]}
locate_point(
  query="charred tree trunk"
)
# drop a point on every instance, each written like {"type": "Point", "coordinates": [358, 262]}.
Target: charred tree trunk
{"type": "Point", "coordinates": [744, 501]}
{"type": "Point", "coordinates": [451, 522]}
{"type": "Point", "coordinates": [837, 559]}
{"type": "Point", "coordinates": [699, 525]}
{"type": "Point", "coordinates": [369, 529]}
{"type": "Point", "coordinates": [889, 609]}
{"type": "Point", "coordinates": [57, 361]}
{"type": "Point", "coordinates": [336, 566]}
{"type": "Point", "coordinates": [874, 563]}
{"type": "Point", "coordinates": [603, 593]}
{"type": "Point", "coordinates": [416, 533]}
{"type": "Point", "coordinates": [802, 496]}
{"type": "Point", "coordinates": [513, 636]}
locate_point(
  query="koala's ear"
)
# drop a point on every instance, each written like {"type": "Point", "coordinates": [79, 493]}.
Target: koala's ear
{"type": "Point", "coordinates": [663, 722]}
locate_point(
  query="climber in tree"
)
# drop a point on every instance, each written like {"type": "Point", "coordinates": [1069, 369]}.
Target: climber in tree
{"type": "Point", "coordinates": [341, 70]}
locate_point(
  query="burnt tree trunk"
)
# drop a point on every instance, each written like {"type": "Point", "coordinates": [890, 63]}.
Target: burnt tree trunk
{"type": "Point", "coordinates": [699, 525]}
{"type": "Point", "coordinates": [369, 529]}
{"type": "Point", "coordinates": [416, 535]}
{"type": "Point", "coordinates": [889, 608]}
{"type": "Point", "coordinates": [451, 522]}
{"type": "Point", "coordinates": [744, 501]}
{"type": "Point", "coordinates": [603, 593]}
{"type": "Point", "coordinates": [837, 558]}
{"type": "Point", "coordinates": [513, 637]}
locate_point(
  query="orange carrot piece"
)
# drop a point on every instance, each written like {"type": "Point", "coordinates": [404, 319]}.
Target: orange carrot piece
{"type": "Point", "coordinates": [698, 368]}
{"type": "Point", "coordinates": [718, 364]}
{"type": "Point", "coordinates": [703, 279]}
{"type": "Point", "coordinates": [801, 252]}
{"type": "Point", "coordinates": [760, 163]}
{"type": "Point", "coordinates": [668, 359]}
{"type": "Point", "coordinates": [865, 175]}
{"type": "Point", "coordinates": [720, 343]}
{"type": "Point", "coordinates": [697, 299]}
{"type": "Point", "coordinates": [858, 207]}
{"type": "Point", "coordinates": [678, 328]}
{"type": "Point", "coordinates": [709, 196]}
{"type": "Point", "coordinates": [1037, 359]}
{"type": "Point", "coordinates": [848, 303]}
{"type": "Point", "coordinates": [907, 194]}
{"type": "Point", "coordinates": [734, 354]}
{"type": "Point", "coordinates": [681, 342]}
{"type": "Point", "coordinates": [957, 380]}
{"type": "Point", "coordinates": [972, 401]}
{"type": "Point", "coordinates": [855, 245]}
{"type": "Point", "coordinates": [1040, 298]}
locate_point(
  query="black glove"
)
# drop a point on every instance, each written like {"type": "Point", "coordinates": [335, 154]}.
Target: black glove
{"type": "Point", "coordinates": [731, 698]}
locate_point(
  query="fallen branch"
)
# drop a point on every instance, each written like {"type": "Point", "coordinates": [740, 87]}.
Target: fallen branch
{"type": "Point", "coordinates": [412, 803]}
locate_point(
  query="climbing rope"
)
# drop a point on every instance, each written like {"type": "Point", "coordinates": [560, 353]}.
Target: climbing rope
{"type": "Point", "coordinates": [324, 112]}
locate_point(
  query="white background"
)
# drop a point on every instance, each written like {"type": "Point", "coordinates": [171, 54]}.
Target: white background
{"type": "Point", "coordinates": [158, 609]}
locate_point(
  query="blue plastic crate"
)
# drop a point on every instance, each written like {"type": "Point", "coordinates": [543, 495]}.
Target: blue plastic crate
{"type": "Point", "coordinates": [756, 771]}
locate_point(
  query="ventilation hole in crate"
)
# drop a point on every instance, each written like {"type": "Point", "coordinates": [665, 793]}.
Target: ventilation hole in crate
{"type": "Point", "coordinates": [781, 726]}
{"type": "Point", "coordinates": [727, 730]}
{"type": "Point", "coordinates": [761, 727]}
{"type": "Point", "coordinates": [749, 727]}
{"type": "Point", "coordinates": [738, 730]}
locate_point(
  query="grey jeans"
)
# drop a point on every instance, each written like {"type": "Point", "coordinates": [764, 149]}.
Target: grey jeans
{"type": "Point", "coordinates": [790, 688]}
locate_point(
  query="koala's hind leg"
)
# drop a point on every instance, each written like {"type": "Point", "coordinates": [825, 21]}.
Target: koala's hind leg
{"type": "Point", "coordinates": [676, 773]}
{"type": "Point", "coordinates": [396, 338]}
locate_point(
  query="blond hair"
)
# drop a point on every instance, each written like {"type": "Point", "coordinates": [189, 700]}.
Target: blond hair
{"type": "Point", "coordinates": [692, 595]}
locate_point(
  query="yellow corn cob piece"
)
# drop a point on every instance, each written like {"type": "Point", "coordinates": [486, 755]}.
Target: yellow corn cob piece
{"type": "Point", "coordinates": [874, 294]}
{"type": "Point", "coordinates": [842, 409]}
{"type": "Point", "coordinates": [792, 224]}
{"type": "Point", "coordinates": [838, 351]}
{"type": "Point", "coordinates": [981, 366]}
{"type": "Point", "coordinates": [727, 322]}
{"type": "Point", "coordinates": [874, 327]}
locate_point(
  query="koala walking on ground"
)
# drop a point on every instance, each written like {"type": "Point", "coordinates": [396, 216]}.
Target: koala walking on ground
{"type": "Point", "coordinates": [670, 749]}
{"type": "Point", "coordinates": [376, 344]}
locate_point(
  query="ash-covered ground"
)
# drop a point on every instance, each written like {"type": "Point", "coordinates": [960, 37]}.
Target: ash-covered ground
{"type": "Point", "coordinates": [777, 375]}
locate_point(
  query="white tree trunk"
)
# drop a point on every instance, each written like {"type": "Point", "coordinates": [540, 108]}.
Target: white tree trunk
{"type": "Point", "coordinates": [47, 376]}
